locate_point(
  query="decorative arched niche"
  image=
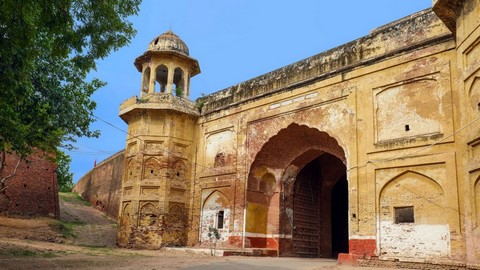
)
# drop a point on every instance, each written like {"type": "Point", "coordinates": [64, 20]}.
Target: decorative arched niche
{"type": "Point", "coordinates": [131, 172]}
{"type": "Point", "coordinates": [474, 96]}
{"type": "Point", "coordinates": [413, 189]}
{"type": "Point", "coordinates": [126, 222]}
{"type": "Point", "coordinates": [412, 211]}
{"type": "Point", "coordinates": [221, 148]}
{"type": "Point", "coordinates": [477, 200]}
{"type": "Point", "coordinates": [215, 214]}
{"type": "Point", "coordinates": [179, 171]}
{"type": "Point", "coordinates": [148, 214]}
{"type": "Point", "coordinates": [126, 218]}
{"type": "Point", "coordinates": [151, 168]}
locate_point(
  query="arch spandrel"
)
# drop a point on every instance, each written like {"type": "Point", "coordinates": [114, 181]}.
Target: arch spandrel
{"type": "Point", "coordinates": [215, 199]}
{"type": "Point", "coordinates": [296, 145]}
{"type": "Point", "coordinates": [411, 173]}
{"type": "Point", "coordinates": [336, 120]}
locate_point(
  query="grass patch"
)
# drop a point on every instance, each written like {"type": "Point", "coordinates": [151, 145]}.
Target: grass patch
{"type": "Point", "coordinates": [67, 228]}
{"type": "Point", "coordinates": [109, 251]}
{"type": "Point", "coordinates": [72, 197]}
{"type": "Point", "coordinates": [17, 252]}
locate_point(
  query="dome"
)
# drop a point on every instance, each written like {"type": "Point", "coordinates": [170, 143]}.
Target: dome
{"type": "Point", "coordinates": [169, 42]}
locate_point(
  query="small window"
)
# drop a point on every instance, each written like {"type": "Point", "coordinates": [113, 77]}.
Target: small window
{"type": "Point", "coordinates": [404, 214]}
{"type": "Point", "coordinates": [220, 217]}
{"type": "Point", "coordinates": [407, 127]}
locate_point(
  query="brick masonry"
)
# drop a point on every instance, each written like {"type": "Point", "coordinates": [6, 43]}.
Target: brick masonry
{"type": "Point", "coordinates": [34, 190]}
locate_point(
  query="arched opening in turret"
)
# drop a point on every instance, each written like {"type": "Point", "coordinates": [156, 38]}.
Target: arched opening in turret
{"type": "Point", "coordinates": [179, 82]}
{"type": "Point", "coordinates": [146, 81]}
{"type": "Point", "coordinates": [161, 78]}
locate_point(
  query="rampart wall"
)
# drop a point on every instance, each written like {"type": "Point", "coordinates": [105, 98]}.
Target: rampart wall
{"type": "Point", "coordinates": [101, 186]}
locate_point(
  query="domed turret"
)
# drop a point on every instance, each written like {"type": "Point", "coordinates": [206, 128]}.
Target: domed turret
{"type": "Point", "coordinates": [159, 148]}
{"type": "Point", "coordinates": [166, 66]}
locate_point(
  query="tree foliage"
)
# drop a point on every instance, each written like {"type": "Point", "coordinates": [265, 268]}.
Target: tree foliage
{"type": "Point", "coordinates": [47, 48]}
{"type": "Point", "coordinates": [64, 176]}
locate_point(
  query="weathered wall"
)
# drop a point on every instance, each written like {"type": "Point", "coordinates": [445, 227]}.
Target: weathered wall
{"type": "Point", "coordinates": [102, 185]}
{"type": "Point", "coordinates": [375, 98]}
{"type": "Point", "coordinates": [156, 187]}
{"type": "Point", "coordinates": [34, 189]}
{"type": "Point", "coordinates": [466, 21]}
{"type": "Point", "coordinates": [393, 112]}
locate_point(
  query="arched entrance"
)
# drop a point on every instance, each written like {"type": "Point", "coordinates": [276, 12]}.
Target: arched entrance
{"type": "Point", "coordinates": [307, 214]}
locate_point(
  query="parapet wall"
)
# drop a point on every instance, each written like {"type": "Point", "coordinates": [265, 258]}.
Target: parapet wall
{"type": "Point", "coordinates": [409, 33]}
{"type": "Point", "coordinates": [102, 185]}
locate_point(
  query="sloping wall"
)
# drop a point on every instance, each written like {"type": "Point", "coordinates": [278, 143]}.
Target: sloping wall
{"type": "Point", "coordinates": [102, 185]}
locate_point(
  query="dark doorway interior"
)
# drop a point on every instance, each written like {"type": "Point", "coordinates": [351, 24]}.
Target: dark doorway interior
{"type": "Point", "coordinates": [339, 210]}
{"type": "Point", "coordinates": [320, 209]}
{"type": "Point", "coordinates": [306, 213]}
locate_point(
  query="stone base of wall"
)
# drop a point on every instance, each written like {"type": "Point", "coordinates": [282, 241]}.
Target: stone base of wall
{"type": "Point", "coordinates": [262, 242]}
{"type": "Point", "coordinates": [348, 259]}
{"type": "Point", "coordinates": [375, 262]}
{"type": "Point", "coordinates": [362, 247]}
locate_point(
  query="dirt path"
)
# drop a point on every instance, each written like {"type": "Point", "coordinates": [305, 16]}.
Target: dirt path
{"type": "Point", "coordinates": [84, 238]}
{"type": "Point", "coordinates": [90, 226]}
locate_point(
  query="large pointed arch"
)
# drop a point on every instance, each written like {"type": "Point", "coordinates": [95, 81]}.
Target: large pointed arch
{"type": "Point", "coordinates": [270, 216]}
{"type": "Point", "coordinates": [304, 139]}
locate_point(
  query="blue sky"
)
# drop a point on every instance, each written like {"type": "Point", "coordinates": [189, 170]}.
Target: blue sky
{"type": "Point", "coordinates": [233, 42]}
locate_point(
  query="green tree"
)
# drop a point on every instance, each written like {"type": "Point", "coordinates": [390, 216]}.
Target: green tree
{"type": "Point", "coordinates": [64, 176]}
{"type": "Point", "coordinates": [47, 48]}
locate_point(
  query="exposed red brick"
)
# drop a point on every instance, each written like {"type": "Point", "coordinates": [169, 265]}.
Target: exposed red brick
{"type": "Point", "coordinates": [34, 189]}
{"type": "Point", "coordinates": [362, 247]}
{"type": "Point", "coordinates": [347, 259]}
